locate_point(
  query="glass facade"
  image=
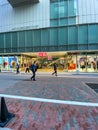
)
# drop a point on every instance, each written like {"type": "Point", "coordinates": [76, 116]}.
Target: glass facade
{"type": "Point", "coordinates": [66, 38]}
{"type": "Point", "coordinates": [63, 12]}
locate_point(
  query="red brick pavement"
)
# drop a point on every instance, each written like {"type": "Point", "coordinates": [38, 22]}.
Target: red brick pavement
{"type": "Point", "coordinates": [32, 115]}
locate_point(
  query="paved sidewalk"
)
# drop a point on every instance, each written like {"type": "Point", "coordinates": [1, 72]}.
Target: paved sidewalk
{"type": "Point", "coordinates": [42, 115]}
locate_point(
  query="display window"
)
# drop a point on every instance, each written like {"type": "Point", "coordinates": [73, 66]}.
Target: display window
{"type": "Point", "coordinates": [8, 62]}
{"type": "Point", "coordinates": [87, 63]}
{"type": "Point", "coordinates": [91, 63]}
{"type": "Point", "coordinates": [81, 63]}
{"type": "Point", "coordinates": [71, 62]}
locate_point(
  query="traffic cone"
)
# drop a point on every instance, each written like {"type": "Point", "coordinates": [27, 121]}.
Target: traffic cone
{"type": "Point", "coordinates": [5, 116]}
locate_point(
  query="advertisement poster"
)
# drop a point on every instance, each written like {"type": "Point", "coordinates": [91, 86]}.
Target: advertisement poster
{"type": "Point", "coordinates": [8, 62]}
{"type": "Point", "coordinates": [12, 61]}
{"type": "Point", "coordinates": [5, 62]}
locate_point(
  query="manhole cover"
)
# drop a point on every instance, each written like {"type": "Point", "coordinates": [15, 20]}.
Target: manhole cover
{"type": "Point", "coordinates": [93, 86]}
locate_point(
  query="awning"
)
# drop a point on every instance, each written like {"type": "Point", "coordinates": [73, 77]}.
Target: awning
{"type": "Point", "coordinates": [16, 3]}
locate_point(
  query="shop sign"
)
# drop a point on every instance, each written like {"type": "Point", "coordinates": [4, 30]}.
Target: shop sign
{"type": "Point", "coordinates": [49, 57]}
{"type": "Point", "coordinates": [42, 54]}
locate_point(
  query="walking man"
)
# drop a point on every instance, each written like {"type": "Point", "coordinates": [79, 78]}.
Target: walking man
{"type": "Point", "coordinates": [55, 69]}
{"type": "Point", "coordinates": [33, 69]}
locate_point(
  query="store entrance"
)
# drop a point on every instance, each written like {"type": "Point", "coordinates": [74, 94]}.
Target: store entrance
{"type": "Point", "coordinates": [46, 60]}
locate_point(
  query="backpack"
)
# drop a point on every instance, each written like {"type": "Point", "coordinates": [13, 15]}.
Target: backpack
{"type": "Point", "coordinates": [33, 67]}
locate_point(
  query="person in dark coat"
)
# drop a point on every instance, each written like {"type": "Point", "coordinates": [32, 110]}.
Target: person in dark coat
{"type": "Point", "coordinates": [55, 69]}
{"type": "Point", "coordinates": [17, 68]}
{"type": "Point", "coordinates": [33, 69]}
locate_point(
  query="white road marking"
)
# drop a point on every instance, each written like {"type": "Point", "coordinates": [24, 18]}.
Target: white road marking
{"type": "Point", "coordinates": [51, 100]}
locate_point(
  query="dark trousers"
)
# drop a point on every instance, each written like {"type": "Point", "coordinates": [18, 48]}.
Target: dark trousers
{"type": "Point", "coordinates": [27, 70]}
{"type": "Point", "coordinates": [17, 71]}
{"type": "Point", "coordinates": [33, 76]}
{"type": "Point", "coordinates": [55, 72]}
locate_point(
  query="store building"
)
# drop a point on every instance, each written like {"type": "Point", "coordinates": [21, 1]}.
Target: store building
{"type": "Point", "coordinates": [62, 31]}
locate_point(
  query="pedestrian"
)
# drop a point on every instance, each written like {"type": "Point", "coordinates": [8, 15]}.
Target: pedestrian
{"type": "Point", "coordinates": [27, 69]}
{"type": "Point", "coordinates": [33, 68]}
{"type": "Point", "coordinates": [0, 67]}
{"type": "Point", "coordinates": [17, 68]}
{"type": "Point", "coordinates": [55, 69]}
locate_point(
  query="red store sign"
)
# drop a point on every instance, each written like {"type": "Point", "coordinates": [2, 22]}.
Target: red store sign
{"type": "Point", "coordinates": [42, 54]}
{"type": "Point", "coordinates": [49, 57]}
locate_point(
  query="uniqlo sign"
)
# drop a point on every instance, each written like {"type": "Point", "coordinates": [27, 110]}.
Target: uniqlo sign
{"type": "Point", "coordinates": [42, 54]}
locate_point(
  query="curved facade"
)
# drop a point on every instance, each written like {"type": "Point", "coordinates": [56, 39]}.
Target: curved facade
{"type": "Point", "coordinates": [47, 26]}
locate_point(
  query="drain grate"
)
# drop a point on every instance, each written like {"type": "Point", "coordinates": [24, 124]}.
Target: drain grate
{"type": "Point", "coordinates": [93, 86]}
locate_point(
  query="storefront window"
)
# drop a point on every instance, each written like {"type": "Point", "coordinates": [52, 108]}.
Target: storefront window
{"type": "Point", "coordinates": [87, 62]}
{"type": "Point", "coordinates": [71, 63]}
{"type": "Point", "coordinates": [91, 63]}
{"type": "Point", "coordinates": [8, 62]}
{"type": "Point", "coordinates": [81, 63]}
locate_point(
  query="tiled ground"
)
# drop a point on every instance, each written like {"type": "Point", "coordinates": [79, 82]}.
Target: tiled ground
{"type": "Point", "coordinates": [33, 115]}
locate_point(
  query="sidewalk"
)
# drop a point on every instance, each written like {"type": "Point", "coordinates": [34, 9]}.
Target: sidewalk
{"type": "Point", "coordinates": [75, 113]}
{"type": "Point", "coordinates": [60, 73]}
